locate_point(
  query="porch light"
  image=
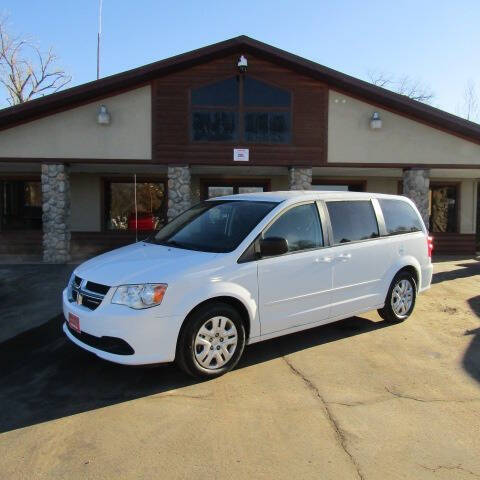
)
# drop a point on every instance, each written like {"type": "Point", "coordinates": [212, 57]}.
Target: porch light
{"type": "Point", "coordinates": [242, 64]}
{"type": "Point", "coordinates": [103, 116]}
{"type": "Point", "coordinates": [375, 121]}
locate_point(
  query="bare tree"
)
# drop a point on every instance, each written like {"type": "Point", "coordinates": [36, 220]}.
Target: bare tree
{"type": "Point", "coordinates": [404, 85]}
{"type": "Point", "coordinates": [25, 71]}
{"type": "Point", "coordinates": [469, 107]}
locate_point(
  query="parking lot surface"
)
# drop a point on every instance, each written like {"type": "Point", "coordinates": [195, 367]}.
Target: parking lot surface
{"type": "Point", "coordinates": [358, 399]}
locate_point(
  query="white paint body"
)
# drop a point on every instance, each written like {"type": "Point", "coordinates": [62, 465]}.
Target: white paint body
{"type": "Point", "coordinates": [281, 294]}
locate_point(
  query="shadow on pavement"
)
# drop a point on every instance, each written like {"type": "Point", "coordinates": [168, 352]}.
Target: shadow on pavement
{"type": "Point", "coordinates": [471, 359]}
{"type": "Point", "coordinates": [44, 377]}
{"type": "Point", "coordinates": [467, 270]}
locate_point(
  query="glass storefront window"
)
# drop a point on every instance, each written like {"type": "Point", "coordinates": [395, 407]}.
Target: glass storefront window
{"type": "Point", "coordinates": [232, 187]}
{"type": "Point", "coordinates": [120, 205]}
{"type": "Point", "coordinates": [443, 208]}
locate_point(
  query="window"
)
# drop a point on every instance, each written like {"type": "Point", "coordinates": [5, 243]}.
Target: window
{"type": "Point", "coordinates": [20, 204]}
{"type": "Point", "coordinates": [338, 185]}
{"type": "Point", "coordinates": [443, 208]}
{"type": "Point", "coordinates": [120, 205]}
{"type": "Point", "coordinates": [257, 93]}
{"type": "Point", "coordinates": [268, 127]}
{"type": "Point", "coordinates": [217, 114]}
{"type": "Point", "coordinates": [214, 126]}
{"type": "Point", "coordinates": [300, 226]}
{"type": "Point", "coordinates": [213, 226]}
{"type": "Point", "coordinates": [352, 221]}
{"type": "Point", "coordinates": [219, 94]}
{"type": "Point", "coordinates": [399, 217]}
{"type": "Point", "coordinates": [218, 188]}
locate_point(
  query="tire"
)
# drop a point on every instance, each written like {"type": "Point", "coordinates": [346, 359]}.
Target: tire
{"type": "Point", "coordinates": [212, 341]}
{"type": "Point", "coordinates": [401, 298]}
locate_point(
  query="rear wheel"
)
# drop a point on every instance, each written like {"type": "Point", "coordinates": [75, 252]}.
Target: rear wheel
{"type": "Point", "coordinates": [212, 341]}
{"type": "Point", "coordinates": [400, 300]}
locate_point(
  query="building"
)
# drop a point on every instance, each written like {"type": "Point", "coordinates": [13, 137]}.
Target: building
{"type": "Point", "coordinates": [236, 116]}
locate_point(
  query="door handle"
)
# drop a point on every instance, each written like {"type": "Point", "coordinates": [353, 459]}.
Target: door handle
{"type": "Point", "coordinates": [344, 257]}
{"type": "Point", "coordinates": [323, 259]}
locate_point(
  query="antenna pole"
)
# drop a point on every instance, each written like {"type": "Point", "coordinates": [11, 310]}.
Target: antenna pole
{"type": "Point", "coordinates": [98, 37]}
{"type": "Point", "coordinates": [136, 210]}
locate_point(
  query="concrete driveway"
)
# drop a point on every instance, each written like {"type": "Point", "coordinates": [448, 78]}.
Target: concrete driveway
{"type": "Point", "coordinates": [358, 399]}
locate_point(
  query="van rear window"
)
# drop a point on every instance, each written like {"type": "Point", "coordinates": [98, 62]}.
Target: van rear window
{"type": "Point", "coordinates": [352, 221]}
{"type": "Point", "coordinates": [399, 217]}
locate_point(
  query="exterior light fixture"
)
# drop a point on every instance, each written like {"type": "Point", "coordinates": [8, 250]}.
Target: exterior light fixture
{"type": "Point", "coordinates": [103, 116]}
{"type": "Point", "coordinates": [375, 121]}
{"type": "Point", "coordinates": [242, 64]}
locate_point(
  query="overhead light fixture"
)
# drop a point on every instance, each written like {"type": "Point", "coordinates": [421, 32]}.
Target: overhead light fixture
{"type": "Point", "coordinates": [242, 64]}
{"type": "Point", "coordinates": [103, 116]}
{"type": "Point", "coordinates": [375, 121]}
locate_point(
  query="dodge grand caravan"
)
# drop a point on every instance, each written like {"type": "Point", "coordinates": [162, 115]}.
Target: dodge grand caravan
{"type": "Point", "coordinates": [240, 269]}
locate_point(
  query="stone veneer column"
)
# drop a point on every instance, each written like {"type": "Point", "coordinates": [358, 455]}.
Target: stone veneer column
{"type": "Point", "coordinates": [300, 178]}
{"type": "Point", "coordinates": [178, 190]}
{"type": "Point", "coordinates": [56, 213]}
{"type": "Point", "coordinates": [416, 184]}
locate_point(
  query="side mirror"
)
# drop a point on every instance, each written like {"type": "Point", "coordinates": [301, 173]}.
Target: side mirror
{"type": "Point", "coordinates": [272, 246]}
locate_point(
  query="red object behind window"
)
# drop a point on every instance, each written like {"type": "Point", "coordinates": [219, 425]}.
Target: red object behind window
{"type": "Point", "coordinates": [145, 222]}
{"type": "Point", "coordinates": [430, 245]}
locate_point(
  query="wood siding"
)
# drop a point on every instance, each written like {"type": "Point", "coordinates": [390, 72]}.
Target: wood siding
{"type": "Point", "coordinates": [171, 117]}
{"type": "Point", "coordinates": [454, 243]}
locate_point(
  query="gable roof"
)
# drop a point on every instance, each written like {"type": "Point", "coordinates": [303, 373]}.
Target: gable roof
{"type": "Point", "coordinates": [130, 79]}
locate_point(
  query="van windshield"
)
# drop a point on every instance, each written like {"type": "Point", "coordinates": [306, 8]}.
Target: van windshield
{"type": "Point", "coordinates": [217, 226]}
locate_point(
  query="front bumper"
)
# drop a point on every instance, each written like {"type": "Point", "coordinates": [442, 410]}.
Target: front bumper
{"type": "Point", "coordinates": [153, 337]}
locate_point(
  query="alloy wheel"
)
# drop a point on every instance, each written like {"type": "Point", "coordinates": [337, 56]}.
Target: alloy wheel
{"type": "Point", "coordinates": [402, 298]}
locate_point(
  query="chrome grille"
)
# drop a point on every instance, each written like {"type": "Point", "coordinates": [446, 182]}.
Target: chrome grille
{"type": "Point", "coordinates": [88, 294]}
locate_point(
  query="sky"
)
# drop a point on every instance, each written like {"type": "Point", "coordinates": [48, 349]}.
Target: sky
{"type": "Point", "coordinates": [435, 42]}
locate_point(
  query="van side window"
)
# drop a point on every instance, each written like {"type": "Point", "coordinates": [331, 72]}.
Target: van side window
{"type": "Point", "coordinates": [352, 221]}
{"type": "Point", "coordinates": [399, 217]}
{"type": "Point", "coordinates": [300, 226]}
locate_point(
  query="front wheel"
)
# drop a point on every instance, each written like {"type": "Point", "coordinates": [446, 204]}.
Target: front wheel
{"type": "Point", "coordinates": [212, 341]}
{"type": "Point", "coordinates": [400, 300]}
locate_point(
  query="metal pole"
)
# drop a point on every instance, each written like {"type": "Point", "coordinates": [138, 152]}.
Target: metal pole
{"type": "Point", "coordinates": [98, 37]}
{"type": "Point", "coordinates": [136, 210]}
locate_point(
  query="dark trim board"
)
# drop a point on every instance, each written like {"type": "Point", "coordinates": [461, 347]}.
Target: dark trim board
{"type": "Point", "coordinates": [260, 162]}
{"type": "Point", "coordinates": [341, 82]}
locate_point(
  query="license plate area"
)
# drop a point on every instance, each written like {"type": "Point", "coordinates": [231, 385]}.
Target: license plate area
{"type": "Point", "coordinates": [74, 322]}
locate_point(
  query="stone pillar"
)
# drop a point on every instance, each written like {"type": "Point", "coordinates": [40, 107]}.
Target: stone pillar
{"type": "Point", "coordinates": [56, 213]}
{"type": "Point", "coordinates": [300, 178]}
{"type": "Point", "coordinates": [178, 190]}
{"type": "Point", "coordinates": [416, 184]}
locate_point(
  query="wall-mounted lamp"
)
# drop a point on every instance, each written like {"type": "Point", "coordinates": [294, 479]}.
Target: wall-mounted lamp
{"type": "Point", "coordinates": [103, 116]}
{"type": "Point", "coordinates": [242, 64]}
{"type": "Point", "coordinates": [375, 121]}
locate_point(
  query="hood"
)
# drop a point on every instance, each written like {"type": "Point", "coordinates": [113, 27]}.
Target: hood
{"type": "Point", "coordinates": [143, 263]}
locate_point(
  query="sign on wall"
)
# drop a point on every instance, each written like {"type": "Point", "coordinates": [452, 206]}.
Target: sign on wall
{"type": "Point", "coordinates": [240, 154]}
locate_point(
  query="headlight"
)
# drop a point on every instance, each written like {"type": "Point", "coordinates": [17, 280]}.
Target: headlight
{"type": "Point", "coordinates": [69, 286]}
{"type": "Point", "coordinates": [140, 296]}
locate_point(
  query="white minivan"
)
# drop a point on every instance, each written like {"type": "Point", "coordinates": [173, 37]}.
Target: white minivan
{"type": "Point", "coordinates": [240, 269]}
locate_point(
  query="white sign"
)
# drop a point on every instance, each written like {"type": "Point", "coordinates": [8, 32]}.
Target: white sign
{"type": "Point", "coordinates": [240, 154]}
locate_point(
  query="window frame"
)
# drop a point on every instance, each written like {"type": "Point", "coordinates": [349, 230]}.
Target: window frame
{"type": "Point", "coordinates": [240, 110]}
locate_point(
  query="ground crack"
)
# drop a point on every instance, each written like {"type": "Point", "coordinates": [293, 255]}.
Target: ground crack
{"type": "Point", "coordinates": [429, 400]}
{"type": "Point", "coordinates": [449, 467]}
{"type": "Point", "coordinates": [331, 419]}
